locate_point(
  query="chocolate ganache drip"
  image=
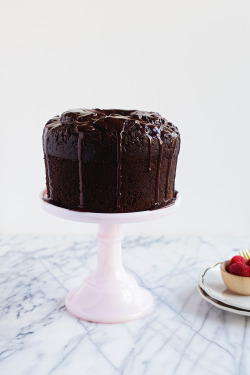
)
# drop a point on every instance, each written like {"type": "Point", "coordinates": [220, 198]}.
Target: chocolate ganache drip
{"type": "Point", "coordinates": [119, 122]}
{"type": "Point", "coordinates": [52, 123]}
{"type": "Point", "coordinates": [173, 151]}
{"type": "Point", "coordinates": [85, 121]}
{"type": "Point", "coordinates": [158, 168]}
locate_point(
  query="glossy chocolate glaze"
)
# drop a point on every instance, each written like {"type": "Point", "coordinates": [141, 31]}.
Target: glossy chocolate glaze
{"type": "Point", "coordinates": [158, 169]}
{"type": "Point", "coordinates": [172, 153]}
{"type": "Point", "coordinates": [84, 121]}
{"type": "Point", "coordinates": [80, 166]}
{"type": "Point", "coordinates": [49, 125]}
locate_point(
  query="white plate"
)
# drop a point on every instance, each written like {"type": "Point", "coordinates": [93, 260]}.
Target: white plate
{"type": "Point", "coordinates": [221, 305]}
{"type": "Point", "coordinates": [211, 282]}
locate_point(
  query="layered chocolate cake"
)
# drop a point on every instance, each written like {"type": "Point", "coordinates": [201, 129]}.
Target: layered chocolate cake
{"type": "Point", "coordinates": [110, 160]}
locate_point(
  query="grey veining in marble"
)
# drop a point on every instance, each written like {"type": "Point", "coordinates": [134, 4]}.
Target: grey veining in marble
{"type": "Point", "coordinates": [184, 334]}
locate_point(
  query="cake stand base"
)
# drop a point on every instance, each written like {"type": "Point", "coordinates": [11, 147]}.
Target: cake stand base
{"type": "Point", "coordinates": [109, 294]}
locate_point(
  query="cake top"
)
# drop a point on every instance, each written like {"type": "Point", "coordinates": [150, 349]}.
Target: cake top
{"type": "Point", "coordinates": [112, 119]}
{"type": "Point", "coordinates": [103, 130]}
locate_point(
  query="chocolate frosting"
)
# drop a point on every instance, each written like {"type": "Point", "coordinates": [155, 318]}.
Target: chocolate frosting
{"type": "Point", "coordinates": [75, 134]}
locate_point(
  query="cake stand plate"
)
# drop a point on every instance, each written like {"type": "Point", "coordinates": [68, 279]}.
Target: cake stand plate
{"type": "Point", "coordinates": [109, 294]}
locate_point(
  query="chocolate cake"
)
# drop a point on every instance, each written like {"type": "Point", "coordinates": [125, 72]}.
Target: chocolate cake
{"type": "Point", "coordinates": [110, 160]}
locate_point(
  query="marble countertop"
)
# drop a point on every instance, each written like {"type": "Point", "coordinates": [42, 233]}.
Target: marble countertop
{"type": "Point", "coordinates": [183, 335]}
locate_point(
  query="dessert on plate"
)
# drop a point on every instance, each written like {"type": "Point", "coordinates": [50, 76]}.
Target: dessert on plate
{"type": "Point", "coordinates": [235, 274]}
{"type": "Point", "coordinates": [111, 160]}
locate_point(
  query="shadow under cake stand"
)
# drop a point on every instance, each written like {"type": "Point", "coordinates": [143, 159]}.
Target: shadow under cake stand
{"type": "Point", "coordinates": [109, 294]}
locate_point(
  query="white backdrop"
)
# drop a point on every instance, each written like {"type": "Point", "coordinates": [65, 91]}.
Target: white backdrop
{"type": "Point", "coordinates": [188, 60]}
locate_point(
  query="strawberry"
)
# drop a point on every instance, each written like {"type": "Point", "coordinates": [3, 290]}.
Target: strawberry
{"type": "Point", "coordinates": [239, 269]}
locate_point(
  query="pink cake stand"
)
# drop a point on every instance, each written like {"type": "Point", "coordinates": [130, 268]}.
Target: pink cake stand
{"type": "Point", "coordinates": [109, 294]}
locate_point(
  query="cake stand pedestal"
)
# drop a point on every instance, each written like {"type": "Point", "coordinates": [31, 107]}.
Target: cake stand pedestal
{"type": "Point", "coordinates": [109, 294]}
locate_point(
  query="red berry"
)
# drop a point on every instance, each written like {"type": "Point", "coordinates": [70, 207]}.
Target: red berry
{"type": "Point", "coordinates": [239, 269]}
{"type": "Point", "coordinates": [248, 262]}
{"type": "Point", "coordinates": [237, 259]}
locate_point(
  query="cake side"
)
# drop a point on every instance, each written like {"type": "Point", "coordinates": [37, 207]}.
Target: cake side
{"type": "Point", "coordinates": [110, 160]}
